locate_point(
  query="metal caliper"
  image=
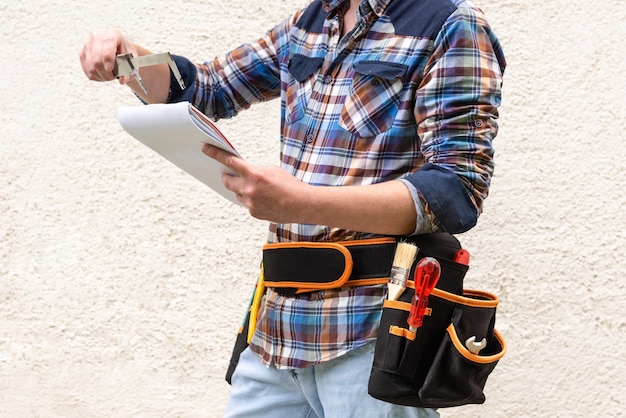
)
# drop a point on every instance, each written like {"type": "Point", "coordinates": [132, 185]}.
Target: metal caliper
{"type": "Point", "coordinates": [127, 64]}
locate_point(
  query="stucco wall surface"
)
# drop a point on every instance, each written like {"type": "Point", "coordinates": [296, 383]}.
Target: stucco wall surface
{"type": "Point", "coordinates": [123, 280]}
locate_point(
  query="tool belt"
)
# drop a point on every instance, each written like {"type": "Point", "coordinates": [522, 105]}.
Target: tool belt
{"type": "Point", "coordinates": [299, 267]}
{"type": "Point", "coordinates": [433, 366]}
{"type": "Point", "coordinates": [430, 367]}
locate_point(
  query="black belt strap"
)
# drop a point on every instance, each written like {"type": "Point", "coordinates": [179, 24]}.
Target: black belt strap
{"type": "Point", "coordinates": [316, 266]}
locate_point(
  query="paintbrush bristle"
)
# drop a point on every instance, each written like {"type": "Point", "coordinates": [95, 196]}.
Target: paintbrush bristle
{"type": "Point", "coordinates": [405, 254]}
{"type": "Point", "coordinates": [402, 261]}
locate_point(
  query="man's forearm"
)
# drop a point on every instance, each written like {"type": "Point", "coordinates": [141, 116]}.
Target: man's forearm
{"type": "Point", "coordinates": [272, 194]}
{"type": "Point", "coordinates": [385, 208]}
{"type": "Point", "coordinates": [156, 79]}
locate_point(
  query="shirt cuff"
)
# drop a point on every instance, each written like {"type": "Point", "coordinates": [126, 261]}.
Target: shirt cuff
{"type": "Point", "coordinates": [423, 223]}
{"type": "Point", "coordinates": [188, 72]}
{"type": "Point", "coordinates": [446, 196]}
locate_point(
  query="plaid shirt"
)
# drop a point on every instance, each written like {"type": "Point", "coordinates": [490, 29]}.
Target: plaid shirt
{"type": "Point", "coordinates": [415, 85]}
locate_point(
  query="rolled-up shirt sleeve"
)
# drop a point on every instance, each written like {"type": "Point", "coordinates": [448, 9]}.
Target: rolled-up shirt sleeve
{"type": "Point", "coordinates": [457, 111]}
{"type": "Point", "coordinates": [188, 72]}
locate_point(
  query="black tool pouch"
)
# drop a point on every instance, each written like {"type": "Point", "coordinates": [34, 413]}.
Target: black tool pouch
{"type": "Point", "coordinates": [241, 342]}
{"type": "Point", "coordinates": [433, 367]}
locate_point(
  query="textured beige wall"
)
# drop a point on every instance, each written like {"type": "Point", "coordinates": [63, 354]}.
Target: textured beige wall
{"type": "Point", "coordinates": [123, 280]}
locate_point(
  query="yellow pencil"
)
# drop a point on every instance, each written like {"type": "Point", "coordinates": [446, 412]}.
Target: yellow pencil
{"type": "Point", "coordinates": [256, 304]}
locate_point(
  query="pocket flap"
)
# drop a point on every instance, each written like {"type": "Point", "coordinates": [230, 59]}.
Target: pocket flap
{"type": "Point", "coordinates": [303, 67]}
{"type": "Point", "coordinates": [386, 70]}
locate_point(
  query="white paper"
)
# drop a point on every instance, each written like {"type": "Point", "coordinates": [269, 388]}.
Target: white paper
{"type": "Point", "coordinates": [177, 131]}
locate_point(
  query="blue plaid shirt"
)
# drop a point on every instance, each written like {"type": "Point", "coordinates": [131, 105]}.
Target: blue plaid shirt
{"type": "Point", "coordinates": [411, 93]}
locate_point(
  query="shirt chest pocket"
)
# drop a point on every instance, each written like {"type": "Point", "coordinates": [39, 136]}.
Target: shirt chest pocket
{"type": "Point", "coordinates": [300, 84]}
{"type": "Point", "coordinates": [374, 97]}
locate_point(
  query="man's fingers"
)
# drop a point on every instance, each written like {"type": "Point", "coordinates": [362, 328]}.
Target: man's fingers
{"type": "Point", "coordinates": [229, 160]}
{"type": "Point", "coordinates": [111, 46]}
{"type": "Point", "coordinates": [98, 54]}
{"type": "Point", "coordinates": [232, 182]}
{"type": "Point", "coordinates": [89, 60]}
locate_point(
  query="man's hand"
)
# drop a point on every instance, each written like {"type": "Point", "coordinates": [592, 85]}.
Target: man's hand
{"type": "Point", "coordinates": [97, 59]}
{"type": "Point", "coordinates": [98, 55]}
{"type": "Point", "coordinates": [269, 193]}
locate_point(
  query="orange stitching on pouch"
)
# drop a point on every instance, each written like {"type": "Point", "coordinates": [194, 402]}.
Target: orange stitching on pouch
{"type": "Point", "coordinates": [299, 244]}
{"type": "Point", "coordinates": [402, 332]}
{"type": "Point", "coordinates": [403, 306]}
{"type": "Point", "coordinates": [396, 304]}
{"type": "Point", "coordinates": [366, 282]}
{"type": "Point", "coordinates": [490, 301]}
{"type": "Point", "coordinates": [349, 283]}
{"type": "Point", "coordinates": [307, 244]}
{"type": "Point", "coordinates": [369, 241]}
{"type": "Point", "coordinates": [481, 294]}
{"type": "Point", "coordinates": [476, 358]}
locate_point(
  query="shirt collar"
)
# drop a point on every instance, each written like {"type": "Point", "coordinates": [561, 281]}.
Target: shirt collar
{"type": "Point", "coordinates": [378, 6]}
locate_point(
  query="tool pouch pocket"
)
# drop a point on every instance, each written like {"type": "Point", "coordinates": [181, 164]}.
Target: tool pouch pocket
{"type": "Point", "coordinates": [457, 375]}
{"type": "Point", "coordinates": [241, 342]}
{"type": "Point", "coordinates": [433, 366]}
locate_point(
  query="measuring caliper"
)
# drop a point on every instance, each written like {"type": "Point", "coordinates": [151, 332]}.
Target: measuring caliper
{"type": "Point", "coordinates": [127, 64]}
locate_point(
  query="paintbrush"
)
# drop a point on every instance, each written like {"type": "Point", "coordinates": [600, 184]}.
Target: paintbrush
{"type": "Point", "coordinates": [402, 261]}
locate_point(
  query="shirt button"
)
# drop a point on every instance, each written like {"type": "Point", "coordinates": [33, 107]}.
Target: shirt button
{"type": "Point", "coordinates": [309, 138]}
{"type": "Point", "coordinates": [328, 79]}
{"type": "Point", "coordinates": [478, 123]}
{"type": "Point", "coordinates": [374, 83]}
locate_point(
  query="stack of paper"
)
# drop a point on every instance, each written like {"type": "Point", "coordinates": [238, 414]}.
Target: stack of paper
{"type": "Point", "coordinates": [177, 131]}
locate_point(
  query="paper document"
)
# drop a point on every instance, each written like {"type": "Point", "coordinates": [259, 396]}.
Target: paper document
{"type": "Point", "coordinates": [177, 131]}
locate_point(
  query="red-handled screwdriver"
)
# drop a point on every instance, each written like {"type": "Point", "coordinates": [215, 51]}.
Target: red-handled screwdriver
{"type": "Point", "coordinates": [462, 256]}
{"type": "Point", "coordinates": [426, 276]}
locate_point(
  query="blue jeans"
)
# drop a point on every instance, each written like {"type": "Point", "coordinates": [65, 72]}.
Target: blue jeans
{"type": "Point", "coordinates": [335, 389]}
